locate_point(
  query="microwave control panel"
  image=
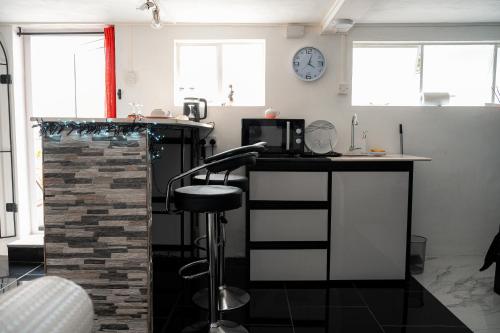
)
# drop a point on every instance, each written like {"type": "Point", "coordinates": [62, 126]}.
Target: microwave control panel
{"type": "Point", "coordinates": [297, 137]}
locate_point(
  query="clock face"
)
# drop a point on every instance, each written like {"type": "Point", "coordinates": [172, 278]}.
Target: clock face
{"type": "Point", "coordinates": [309, 63]}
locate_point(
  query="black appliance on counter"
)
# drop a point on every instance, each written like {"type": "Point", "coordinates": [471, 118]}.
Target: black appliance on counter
{"type": "Point", "coordinates": [283, 136]}
{"type": "Point", "coordinates": [192, 108]}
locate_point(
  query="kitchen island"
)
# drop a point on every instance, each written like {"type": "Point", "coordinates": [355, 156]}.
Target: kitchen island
{"type": "Point", "coordinates": [98, 208]}
{"type": "Point", "coordinates": [323, 219]}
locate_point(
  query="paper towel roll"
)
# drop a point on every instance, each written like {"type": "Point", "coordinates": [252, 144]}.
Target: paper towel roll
{"type": "Point", "coordinates": [435, 98]}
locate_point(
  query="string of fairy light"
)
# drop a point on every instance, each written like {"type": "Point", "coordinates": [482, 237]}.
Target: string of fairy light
{"type": "Point", "coordinates": [104, 129]}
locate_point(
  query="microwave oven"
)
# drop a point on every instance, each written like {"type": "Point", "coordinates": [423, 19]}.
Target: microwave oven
{"type": "Point", "coordinates": [283, 136]}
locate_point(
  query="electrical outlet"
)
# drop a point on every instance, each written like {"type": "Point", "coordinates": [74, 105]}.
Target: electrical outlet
{"type": "Point", "coordinates": [344, 88]}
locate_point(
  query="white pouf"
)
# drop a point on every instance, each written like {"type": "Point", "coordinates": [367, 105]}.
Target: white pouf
{"type": "Point", "coordinates": [48, 304]}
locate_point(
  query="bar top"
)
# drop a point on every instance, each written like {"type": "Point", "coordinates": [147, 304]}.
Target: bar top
{"type": "Point", "coordinates": [155, 121]}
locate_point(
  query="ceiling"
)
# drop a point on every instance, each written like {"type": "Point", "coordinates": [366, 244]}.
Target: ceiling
{"type": "Point", "coordinates": [185, 11]}
{"type": "Point", "coordinates": [421, 11]}
{"type": "Point", "coordinates": [251, 11]}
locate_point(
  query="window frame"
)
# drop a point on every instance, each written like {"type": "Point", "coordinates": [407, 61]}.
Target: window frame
{"type": "Point", "coordinates": [218, 44]}
{"type": "Point", "coordinates": [421, 54]}
{"type": "Point", "coordinates": [495, 64]}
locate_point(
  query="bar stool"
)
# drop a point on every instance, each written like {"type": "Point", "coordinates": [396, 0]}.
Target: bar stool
{"type": "Point", "coordinates": [230, 298]}
{"type": "Point", "coordinates": [212, 200]}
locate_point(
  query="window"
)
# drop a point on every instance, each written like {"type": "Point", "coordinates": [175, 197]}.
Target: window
{"type": "Point", "coordinates": [464, 71]}
{"type": "Point", "coordinates": [216, 70]}
{"type": "Point", "coordinates": [65, 78]}
{"type": "Point", "coordinates": [389, 74]}
{"type": "Point", "coordinates": [386, 76]}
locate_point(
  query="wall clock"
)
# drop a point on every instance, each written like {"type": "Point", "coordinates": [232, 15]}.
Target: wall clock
{"type": "Point", "coordinates": [309, 64]}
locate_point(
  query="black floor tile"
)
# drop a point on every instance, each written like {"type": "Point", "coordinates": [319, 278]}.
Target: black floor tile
{"type": "Point", "coordinates": [314, 303]}
{"type": "Point", "coordinates": [339, 320]}
{"type": "Point", "coordinates": [164, 303]}
{"type": "Point", "coordinates": [180, 318]}
{"type": "Point", "coordinates": [437, 329]}
{"type": "Point", "coordinates": [411, 285]}
{"type": "Point", "coordinates": [192, 316]}
{"type": "Point", "coordinates": [324, 297]}
{"type": "Point", "coordinates": [345, 297]}
{"type": "Point", "coordinates": [308, 297]}
{"type": "Point", "coordinates": [329, 308]}
{"type": "Point", "coordinates": [160, 324]}
{"type": "Point", "coordinates": [399, 307]}
{"type": "Point", "coordinates": [266, 307]}
{"type": "Point", "coordinates": [311, 330]}
{"type": "Point", "coordinates": [270, 329]}
{"type": "Point", "coordinates": [268, 303]}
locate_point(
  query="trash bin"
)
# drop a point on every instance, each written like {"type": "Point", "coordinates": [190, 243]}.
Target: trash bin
{"type": "Point", "coordinates": [417, 254]}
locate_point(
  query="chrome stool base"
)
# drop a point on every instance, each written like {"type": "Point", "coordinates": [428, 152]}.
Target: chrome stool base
{"type": "Point", "coordinates": [230, 298]}
{"type": "Point", "coordinates": [222, 326]}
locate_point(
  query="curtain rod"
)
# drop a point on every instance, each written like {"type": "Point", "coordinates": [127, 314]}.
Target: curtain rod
{"type": "Point", "coordinates": [21, 33]}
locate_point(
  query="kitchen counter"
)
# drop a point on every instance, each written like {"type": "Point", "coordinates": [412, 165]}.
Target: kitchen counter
{"type": "Point", "coordinates": [330, 218]}
{"type": "Point", "coordinates": [322, 163]}
{"type": "Point", "coordinates": [348, 158]}
{"type": "Point", "coordinates": [386, 158]}
{"type": "Point", "coordinates": [153, 121]}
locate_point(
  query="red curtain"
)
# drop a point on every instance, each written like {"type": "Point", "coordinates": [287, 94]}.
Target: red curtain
{"type": "Point", "coordinates": [109, 47]}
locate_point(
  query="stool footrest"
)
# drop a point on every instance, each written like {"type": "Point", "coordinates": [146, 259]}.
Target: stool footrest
{"type": "Point", "coordinates": [191, 264]}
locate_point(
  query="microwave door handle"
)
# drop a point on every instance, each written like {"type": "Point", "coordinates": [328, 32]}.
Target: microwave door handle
{"type": "Point", "coordinates": [288, 136]}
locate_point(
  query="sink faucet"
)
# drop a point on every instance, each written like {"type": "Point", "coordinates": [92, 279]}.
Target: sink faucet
{"type": "Point", "coordinates": [354, 123]}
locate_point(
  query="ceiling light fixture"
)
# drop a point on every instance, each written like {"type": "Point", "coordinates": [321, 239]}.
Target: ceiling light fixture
{"type": "Point", "coordinates": [343, 25]}
{"type": "Point", "coordinates": [155, 11]}
{"type": "Point", "coordinates": [156, 23]}
{"type": "Point", "coordinates": [147, 5]}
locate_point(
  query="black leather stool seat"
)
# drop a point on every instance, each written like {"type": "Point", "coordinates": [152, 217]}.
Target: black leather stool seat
{"type": "Point", "coordinates": [218, 179]}
{"type": "Point", "coordinates": [207, 198]}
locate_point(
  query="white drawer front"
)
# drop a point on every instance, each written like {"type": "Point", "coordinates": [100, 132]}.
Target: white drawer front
{"type": "Point", "coordinates": [306, 186]}
{"type": "Point", "coordinates": [288, 225]}
{"type": "Point", "coordinates": [289, 265]}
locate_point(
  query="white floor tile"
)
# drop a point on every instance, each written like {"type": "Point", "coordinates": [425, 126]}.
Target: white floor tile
{"type": "Point", "coordinates": [468, 293]}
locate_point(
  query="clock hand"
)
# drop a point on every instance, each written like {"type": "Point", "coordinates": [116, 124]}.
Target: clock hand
{"type": "Point", "coordinates": [309, 62]}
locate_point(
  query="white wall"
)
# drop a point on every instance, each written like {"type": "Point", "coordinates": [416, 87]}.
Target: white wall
{"type": "Point", "coordinates": [455, 196]}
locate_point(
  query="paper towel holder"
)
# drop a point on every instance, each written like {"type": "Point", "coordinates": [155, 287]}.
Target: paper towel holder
{"type": "Point", "coordinates": [435, 98]}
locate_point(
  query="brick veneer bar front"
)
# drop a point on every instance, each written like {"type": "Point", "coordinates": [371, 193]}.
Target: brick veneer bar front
{"type": "Point", "coordinates": [98, 224]}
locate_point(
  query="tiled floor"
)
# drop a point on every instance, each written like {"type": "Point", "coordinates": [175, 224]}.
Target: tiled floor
{"type": "Point", "coordinates": [292, 308]}
{"type": "Point", "coordinates": [14, 274]}
{"type": "Point", "coordinates": [344, 307]}
{"type": "Point", "coordinates": [468, 293]}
